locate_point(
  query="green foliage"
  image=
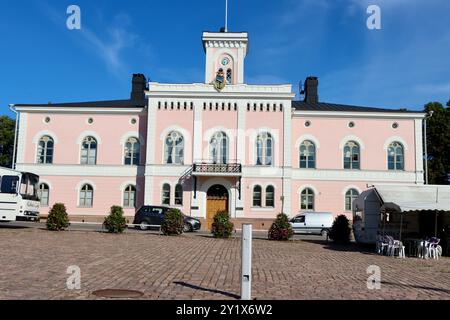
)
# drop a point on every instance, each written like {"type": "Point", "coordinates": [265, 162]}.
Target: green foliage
{"type": "Point", "coordinates": [115, 222]}
{"type": "Point", "coordinates": [438, 142]}
{"type": "Point", "coordinates": [222, 227]}
{"type": "Point", "coordinates": [173, 223]}
{"type": "Point", "coordinates": [58, 219]}
{"type": "Point", "coordinates": [340, 231]}
{"type": "Point", "coordinates": [7, 126]}
{"type": "Point", "coordinates": [281, 229]}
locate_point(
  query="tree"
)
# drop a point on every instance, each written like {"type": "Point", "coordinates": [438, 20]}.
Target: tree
{"type": "Point", "coordinates": [438, 142]}
{"type": "Point", "coordinates": [7, 126]}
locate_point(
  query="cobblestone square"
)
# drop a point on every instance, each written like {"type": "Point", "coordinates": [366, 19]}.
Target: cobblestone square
{"type": "Point", "coordinates": [34, 265]}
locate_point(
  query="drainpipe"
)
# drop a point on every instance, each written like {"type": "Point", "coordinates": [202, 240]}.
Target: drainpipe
{"type": "Point", "coordinates": [12, 108]}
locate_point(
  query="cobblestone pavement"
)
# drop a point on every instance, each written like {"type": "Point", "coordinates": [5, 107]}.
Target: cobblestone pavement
{"type": "Point", "coordinates": [34, 262]}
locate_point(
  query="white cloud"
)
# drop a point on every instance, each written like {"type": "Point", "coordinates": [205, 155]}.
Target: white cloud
{"type": "Point", "coordinates": [109, 46]}
{"type": "Point", "coordinates": [435, 88]}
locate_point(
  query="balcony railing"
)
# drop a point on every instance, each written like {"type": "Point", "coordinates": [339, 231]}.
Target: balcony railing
{"type": "Point", "coordinates": [217, 168]}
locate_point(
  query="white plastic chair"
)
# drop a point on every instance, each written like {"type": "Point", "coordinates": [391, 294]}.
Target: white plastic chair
{"type": "Point", "coordinates": [424, 249]}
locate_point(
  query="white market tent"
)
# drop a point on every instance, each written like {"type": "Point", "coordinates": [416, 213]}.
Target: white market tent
{"type": "Point", "coordinates": [407, 198]}
{"type": "Point", "coordinates": [375, 204]}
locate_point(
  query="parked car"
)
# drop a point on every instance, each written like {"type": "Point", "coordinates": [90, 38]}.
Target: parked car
{"type": "Point", "coordinates": [312, 223]}
{"type": "Point", "coordinates": [148, 216]}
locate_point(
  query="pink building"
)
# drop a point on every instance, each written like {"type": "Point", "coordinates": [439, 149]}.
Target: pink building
{"type": "Point", "coordinates": [221, 144]}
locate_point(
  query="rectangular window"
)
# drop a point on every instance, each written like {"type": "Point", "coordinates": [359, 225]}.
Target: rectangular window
{"type": "Point", "coordinates": [9, 184]}
{"type": "Point", "coordinates": [166, 197]}
{"type": "Point", "coordinates": [44, 195]}
{"type": "Point", "coordinates": [257, 197]}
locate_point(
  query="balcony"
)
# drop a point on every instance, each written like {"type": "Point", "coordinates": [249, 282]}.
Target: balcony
{"type": "Point", "coordinates": [233, 169]}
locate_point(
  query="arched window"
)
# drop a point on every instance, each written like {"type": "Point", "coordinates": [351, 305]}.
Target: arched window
{"type": "Point", "coordinates": [86, 196]}
{"type": "Point", "coordinates": [219, 148]}
{"type": "Point", "coordinates": [44, 194]}
{"type": "Point", "coordinates": [174, 153]}
{"type": "Point", "coordinates": [257, 190]}
{"type": "Point", "coordinates": [350, 196]}
{"type": "Point", "coordinates": [132, 152]}
{"type": "Point", "coordinates": [89, 151]}
{"type": "Point", "coordinates": [270, 196]}
{"type": "Point", "coordinates": [230, 76]}
{"type": "Point", "coordinates": [179, 195]}
{"type": "Point", "coordinates": [307, 199]}
{"type": "Point", "coordinates": [45, 150]}
{"type": "Point", "coordinates": [264, 149]}
{"type": "Point", "coordinates": [352, 155]}
{"type": "Point", "coordinates": [307, 155]}
{"type": "Point", "coordinates": [396, 156]}
{"type": "Point", "coordinates": [129, 197]}
{"type": "Point", "coordinates": [166, 194]}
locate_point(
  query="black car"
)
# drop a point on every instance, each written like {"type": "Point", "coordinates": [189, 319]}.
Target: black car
{"type": "Point", "coordinates": [148, 216]}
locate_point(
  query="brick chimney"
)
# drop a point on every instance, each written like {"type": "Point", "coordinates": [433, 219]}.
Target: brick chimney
{"type": "Point", "coordinates": [311, 92]}
{"type": "Point", "coordinates": [139, 85]}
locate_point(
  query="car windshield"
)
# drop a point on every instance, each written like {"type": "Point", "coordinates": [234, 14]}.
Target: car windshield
{"type": "Point", "coordinates": [28, 186]}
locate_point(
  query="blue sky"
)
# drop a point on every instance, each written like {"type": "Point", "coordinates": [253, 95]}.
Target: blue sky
{"type": "Point", "coordinates": [405, 64]}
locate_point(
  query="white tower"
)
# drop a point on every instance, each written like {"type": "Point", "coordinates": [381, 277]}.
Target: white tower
{"type": "Point", "coordinates": [226, 51]}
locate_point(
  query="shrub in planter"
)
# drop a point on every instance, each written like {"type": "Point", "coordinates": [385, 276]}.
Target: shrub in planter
{"type": "Point", "coordinates": [173, 223]}
{"type": "Point", "coordinates": [340, 231]}
{"type": "Point", "coordinates": [281, 229]}
{"type": "Point", "coordinates": [222, 227]}
{"type": "Point", "coordinates": [115, 222]}
{"type": "Point", "coordinates": [58, 219]}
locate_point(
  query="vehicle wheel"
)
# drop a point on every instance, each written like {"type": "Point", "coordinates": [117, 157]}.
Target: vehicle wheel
{"type": "Point", "coordinates": [187, 228]}
{"type": "Point", "coordinates": [144, 225]}
{"type": "Point", "coordinates": [324, 233]}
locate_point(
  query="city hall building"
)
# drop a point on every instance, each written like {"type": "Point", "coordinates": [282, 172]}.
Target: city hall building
{"type": "Point", "coordinates": [218, 145]}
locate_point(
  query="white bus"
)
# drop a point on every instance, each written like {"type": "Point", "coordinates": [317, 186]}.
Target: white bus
{"type": "Point", "coordinates": [19, 199]}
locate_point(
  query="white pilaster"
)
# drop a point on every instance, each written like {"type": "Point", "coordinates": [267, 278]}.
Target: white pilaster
{"type": "Point", "coordinates": [287, 154]}
{"type": "Point", "coordinates": [197, 139]}
{"type": "Point", "coordinates": [419, 151]}
{"type": "Point", "coordinates": [21, 138]}
{"type": "Point", "coordinates": [240, 139]}
{"type": "Point", "coordinates": [151, 131]}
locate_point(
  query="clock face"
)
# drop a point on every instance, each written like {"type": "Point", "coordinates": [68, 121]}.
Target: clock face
{"type": "Point", "coordinates": [225, 61]}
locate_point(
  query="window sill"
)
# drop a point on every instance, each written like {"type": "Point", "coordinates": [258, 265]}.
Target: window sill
{"type": "Point", "coordinates": [262, 208]}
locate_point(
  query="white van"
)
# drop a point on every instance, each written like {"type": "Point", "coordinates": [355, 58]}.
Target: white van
{"type": "Point", "coordinates": [19, 200]}
{"type": "Point", "coordinates": [312, 223]}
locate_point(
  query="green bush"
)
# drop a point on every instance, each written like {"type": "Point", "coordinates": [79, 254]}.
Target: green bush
{"type": "Point", "coordinates": [58, 219]}
{"type": "Point", "coordinates": [115, 222]}
{"type": "Point", "coordinates": [222, 227]}
{"type": "Point", "coordinates": [340, 231]}
{"type": "Point", "coordinates": [281, 229]}
{"type": "Point", "coordinates": [173, 223]}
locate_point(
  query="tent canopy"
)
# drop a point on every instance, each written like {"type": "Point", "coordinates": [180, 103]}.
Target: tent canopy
{"type": "Point", "coordinates": [401, 198]}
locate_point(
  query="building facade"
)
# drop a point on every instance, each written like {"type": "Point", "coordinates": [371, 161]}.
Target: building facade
{"type": "Point", "coordinates": [219, 145]}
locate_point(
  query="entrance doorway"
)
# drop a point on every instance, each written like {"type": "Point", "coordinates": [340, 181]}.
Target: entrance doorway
{"type": "Point", "coordinates": [217, 200]}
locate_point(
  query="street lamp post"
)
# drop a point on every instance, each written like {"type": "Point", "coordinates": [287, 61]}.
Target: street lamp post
{"type": "Point", "coordinates": [428, 116]}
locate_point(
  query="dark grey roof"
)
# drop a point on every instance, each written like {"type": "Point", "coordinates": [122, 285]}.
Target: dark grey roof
{"type": "Point", "coordinates": [323, 106]}
{"type": "Point", "coordinates": [93, 104]}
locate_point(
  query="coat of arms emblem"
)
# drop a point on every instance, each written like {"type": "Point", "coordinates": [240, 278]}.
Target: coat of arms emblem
{"type": "Point", "coordinates": [219, 83]}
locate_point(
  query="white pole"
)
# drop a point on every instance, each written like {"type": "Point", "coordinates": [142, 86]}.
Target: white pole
{"type": "Point", "coordinates": [246, 267]}
{"type": "Point", "coordinates": [226, 15]}
{"type": "Point", "coordinates": [426, 151]}
{"type": "Point", "coordinates": [13, 163]}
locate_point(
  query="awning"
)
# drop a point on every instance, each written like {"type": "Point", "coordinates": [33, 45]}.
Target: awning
{"type": "Point", "coordinates": [414, 197]}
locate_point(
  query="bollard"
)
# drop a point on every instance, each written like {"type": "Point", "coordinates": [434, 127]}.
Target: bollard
{"type": "Point", "coordinates": [246, 262]}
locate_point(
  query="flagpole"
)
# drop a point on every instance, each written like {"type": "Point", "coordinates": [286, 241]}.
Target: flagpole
{"type": "Point", "coordinates": [226, 15]}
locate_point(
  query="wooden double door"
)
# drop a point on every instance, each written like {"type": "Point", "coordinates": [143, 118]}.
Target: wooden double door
{"type": "Point", "coordinates": [217, 200]}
